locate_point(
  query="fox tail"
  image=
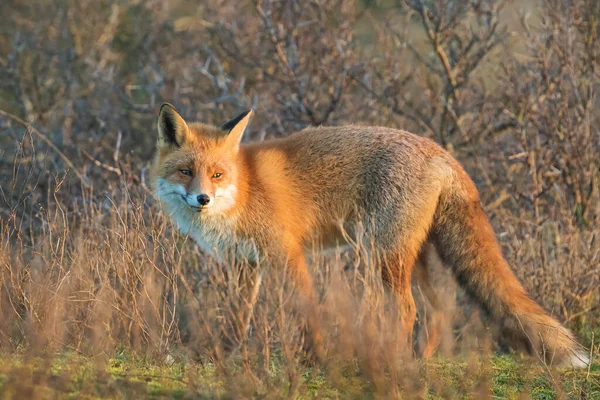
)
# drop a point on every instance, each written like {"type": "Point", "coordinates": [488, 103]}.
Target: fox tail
{"type": "Point", "coordinates": [465, 240]}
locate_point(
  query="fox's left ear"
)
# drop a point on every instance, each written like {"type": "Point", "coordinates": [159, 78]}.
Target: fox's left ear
{"type": "Point", "coordinates": [235, 129]}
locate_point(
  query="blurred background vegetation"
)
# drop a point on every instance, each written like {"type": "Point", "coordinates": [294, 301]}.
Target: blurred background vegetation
{"type": "Point", "coordinates": [509, 88]}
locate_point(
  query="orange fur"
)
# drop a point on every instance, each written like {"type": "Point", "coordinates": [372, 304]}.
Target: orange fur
{"type": "Point", "coordinates": [281, 197]}
{"type": "Point", "coordinates": [436, 316]}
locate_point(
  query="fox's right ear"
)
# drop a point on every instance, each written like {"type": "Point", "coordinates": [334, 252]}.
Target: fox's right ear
{"type": "Point", "coordinates": [172, 128]}
{"type": "Point", "coordinates": [235, 129]}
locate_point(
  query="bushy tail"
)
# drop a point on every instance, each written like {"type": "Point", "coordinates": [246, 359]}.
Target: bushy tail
{"type": "Point", "coordinates": [465, 240]}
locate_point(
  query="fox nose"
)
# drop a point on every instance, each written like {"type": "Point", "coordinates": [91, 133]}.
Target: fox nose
{"type": "Point", "coordinates": [203, 199]}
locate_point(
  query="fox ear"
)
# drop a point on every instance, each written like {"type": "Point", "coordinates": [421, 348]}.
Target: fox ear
{"type": "Point", "coordinates": [172, 128]}
{"type": "Point", "coordinates": [235, 129]}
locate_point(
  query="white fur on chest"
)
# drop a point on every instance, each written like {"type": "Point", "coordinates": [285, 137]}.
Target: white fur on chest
{"type": "Point", "coordinates": [216, 236]}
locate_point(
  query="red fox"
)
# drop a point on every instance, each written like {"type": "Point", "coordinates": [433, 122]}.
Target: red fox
{"type": "Point", "coordinates": [275, 199]}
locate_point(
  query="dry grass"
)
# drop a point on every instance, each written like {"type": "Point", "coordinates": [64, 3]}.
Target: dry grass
{"type": "Point", "coordinates": [101, 297]}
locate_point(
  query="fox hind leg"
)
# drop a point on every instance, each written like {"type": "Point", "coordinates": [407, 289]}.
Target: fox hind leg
{"type": "Point", "coordinates": [396, 274]}
{"type": "Point", "coordinates": [435, 318]}
{"type": "Point", "coordinates": [400, 243]}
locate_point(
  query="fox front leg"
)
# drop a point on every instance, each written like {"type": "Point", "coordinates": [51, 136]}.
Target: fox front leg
{"type": "Point", "coordinates": [299, 274]}
{"type": "Point", "coordinates": [245, 283]}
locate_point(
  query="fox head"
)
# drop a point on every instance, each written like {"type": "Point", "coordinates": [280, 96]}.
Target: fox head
{"type": "Point", "coordinates": [196, 165]}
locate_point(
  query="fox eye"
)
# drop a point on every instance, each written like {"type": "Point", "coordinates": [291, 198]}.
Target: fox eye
{"type": "Point", "coordinates": [186, 172]}
{"type": "Point", "coordinates": [217, 175]}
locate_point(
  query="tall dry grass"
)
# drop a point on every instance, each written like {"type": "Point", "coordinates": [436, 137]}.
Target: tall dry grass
{"type": "Point", "coordinates": [116, 274]}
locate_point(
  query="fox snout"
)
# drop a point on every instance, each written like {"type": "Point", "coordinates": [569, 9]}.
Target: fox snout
{"type": "Point", "coordinates": [197, 202]}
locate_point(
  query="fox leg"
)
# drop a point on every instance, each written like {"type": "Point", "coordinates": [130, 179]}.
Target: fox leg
{"type": "Point", "coordinates": [247, 280]}
{"type": "Point", "coordinates": [396, 274]}
{"type": "Point", "coordinates": [308, 301]}
{"type": "Point", "coordinates": [399, 242]}
{"type": "Point", "coordinates": [421, 274]}
{"type": "Point", "coordinates": [250, 281]}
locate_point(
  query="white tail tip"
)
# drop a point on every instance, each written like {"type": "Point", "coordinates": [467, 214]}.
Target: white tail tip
{"type": "Point", "coordinates": [579, 359]}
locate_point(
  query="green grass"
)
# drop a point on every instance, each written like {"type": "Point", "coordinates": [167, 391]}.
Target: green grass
{"type": "Point", "coordinates": [123, 375]}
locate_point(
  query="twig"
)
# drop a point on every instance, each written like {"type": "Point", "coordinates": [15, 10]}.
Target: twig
{"type": "Point", "coordinates": [101, 164]}
{"type": "Point", "coordinates": [45, 139]}
{"type": "Point", "coordinates": [434, 39]}
{"type": "Point", "coordinates": [586, 311]}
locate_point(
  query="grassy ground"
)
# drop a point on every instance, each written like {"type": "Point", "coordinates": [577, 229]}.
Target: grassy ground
{"type": "Point", "coordinates": [123, 376]}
